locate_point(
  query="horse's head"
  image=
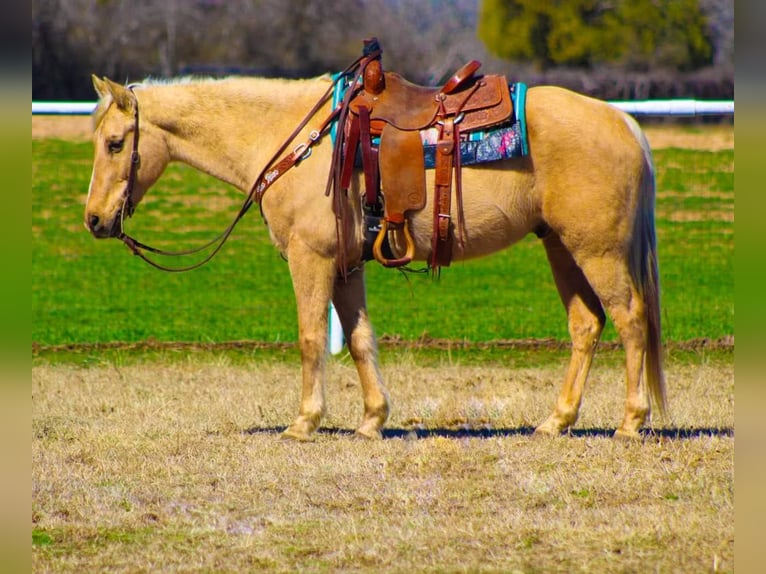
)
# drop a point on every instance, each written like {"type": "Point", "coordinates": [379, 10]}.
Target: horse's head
{"type": "Point", "coordinates": [129, 157]}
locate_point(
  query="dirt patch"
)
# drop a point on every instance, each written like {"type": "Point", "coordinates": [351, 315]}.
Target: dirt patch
{"type": "Point", "coordinates": [692, 216]}
{"type": "Point", "coordinates": [75, 128]}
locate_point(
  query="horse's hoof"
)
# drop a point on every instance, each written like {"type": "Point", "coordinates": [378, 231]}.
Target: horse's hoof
{"type": "Point", "coordinates": [547, 430]}
{"type": "Point", "coordinates": [627, 435]}
{"type": "Point", "coordinates": [368, 434]}
{"type": "Point", "coordinates": [297, 435]}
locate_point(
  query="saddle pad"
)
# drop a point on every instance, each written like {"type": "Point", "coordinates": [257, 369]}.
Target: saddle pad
{"type": "Point", "coordinates": [505, 141]}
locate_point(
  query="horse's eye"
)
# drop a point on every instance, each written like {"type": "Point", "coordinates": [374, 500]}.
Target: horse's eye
{"type": "Point", "coordinates": [115, 146]}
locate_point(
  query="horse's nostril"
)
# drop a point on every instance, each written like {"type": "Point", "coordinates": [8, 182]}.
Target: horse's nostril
{"type": "Point", "coordinates": [93, 222]}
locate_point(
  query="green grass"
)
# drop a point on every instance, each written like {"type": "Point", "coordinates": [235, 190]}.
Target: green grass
{"type": "Point", "coordinates": [165, 457]}
{"type": "Point", "coordinates": [94, 291]}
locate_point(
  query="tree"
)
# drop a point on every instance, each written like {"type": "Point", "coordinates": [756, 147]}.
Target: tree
{"type": "Point", "coordinates": [639, 34]}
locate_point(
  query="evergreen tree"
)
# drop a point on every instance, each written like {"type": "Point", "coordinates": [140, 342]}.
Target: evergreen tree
{"type": "Point", "coordinates": [584, 33]}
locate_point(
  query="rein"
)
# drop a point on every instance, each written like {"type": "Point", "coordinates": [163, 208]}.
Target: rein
{"type": "Point", "coordinates": [267, 177]}
{"type": "Point", "coordinates": [128, 207]}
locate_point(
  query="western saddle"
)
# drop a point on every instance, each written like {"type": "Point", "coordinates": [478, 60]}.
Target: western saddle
{"type": "Point", "coordinates": [383, 107]}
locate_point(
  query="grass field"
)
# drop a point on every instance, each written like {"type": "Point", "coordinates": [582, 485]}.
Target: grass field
{"type": "Point", "coordinates": [94, 291]}
{"type": "Point", "coordinates": [177, 466]}
{"type": "Point", "coordinates": [165, 456]}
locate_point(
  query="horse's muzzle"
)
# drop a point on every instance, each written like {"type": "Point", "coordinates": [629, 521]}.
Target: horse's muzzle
{"type": "Point", "coordinates": [101, 229]}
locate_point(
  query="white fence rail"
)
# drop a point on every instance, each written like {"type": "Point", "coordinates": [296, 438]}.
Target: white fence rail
{"type": "Point", "coordinates": [62, 108]}
{"type": "Point", "coordinates": [685, 107]}
{"type": "Point", "coordinates": [676, 107]}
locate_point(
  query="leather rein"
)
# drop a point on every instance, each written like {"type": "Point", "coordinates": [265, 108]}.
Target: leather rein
{"type": "Point", "coordinates": [269, 174]}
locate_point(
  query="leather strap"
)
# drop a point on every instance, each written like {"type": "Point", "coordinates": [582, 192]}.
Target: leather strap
{"type": "Point", "coordinates": [353, 75]}
{"type": "Point", "coordinates": [441, 247]}
{"type": "Point", "coordinates": [135, 160]}
{"type": "Point", "coordinates": [459, 187]}
{"type": "Point", "coordinates": [349, 152]}
{"type": "Point", "coordinates": [369, 160]}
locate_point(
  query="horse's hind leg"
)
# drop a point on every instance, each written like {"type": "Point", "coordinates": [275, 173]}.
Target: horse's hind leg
{"type": "Point", "coordinates": [312, 277]}
{"type": "Point", "coordinates": [586, 321]}
{"type": "Point", "coordinates": [610, 277]}
{"type": "Point", "coordinates": [350, 302]}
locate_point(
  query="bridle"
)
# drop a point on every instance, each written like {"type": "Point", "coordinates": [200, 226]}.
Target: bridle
{"type": "Point", "coordinates": [135, 161]}
{"type": "Point", "coordinates": [128, 208]}
{"type": "Point", "coordinates": [268, 176]}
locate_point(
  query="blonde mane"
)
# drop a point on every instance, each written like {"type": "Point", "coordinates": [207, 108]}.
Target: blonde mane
{"type": "Point", "coordinates": [152, 81]}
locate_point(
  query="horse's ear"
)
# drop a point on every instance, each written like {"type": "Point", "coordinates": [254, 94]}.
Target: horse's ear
{"type": "Point", "coordinates": [100, 86]}
{"type": "Point", "coordinates": [120, 94]}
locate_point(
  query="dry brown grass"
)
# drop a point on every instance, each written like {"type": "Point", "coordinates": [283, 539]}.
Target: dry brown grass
{"type": "Point", "coordinates": [178, 467]}
{"type": "Point", "coordinates": [703, 137]}
{"type": "Point", "coordinates": [73, 128]}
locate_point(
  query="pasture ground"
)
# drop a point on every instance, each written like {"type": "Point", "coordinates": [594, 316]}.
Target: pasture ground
{"type": "Point", "coordinates": [79, 294]}
{"type": "Point", "coordinates": [163, 458]}
{"type": "Point", "coordinates": [177, 465]}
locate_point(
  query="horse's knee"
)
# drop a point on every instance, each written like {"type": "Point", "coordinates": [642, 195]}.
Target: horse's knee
{"type": "Point", "coordinates": [312, 345]}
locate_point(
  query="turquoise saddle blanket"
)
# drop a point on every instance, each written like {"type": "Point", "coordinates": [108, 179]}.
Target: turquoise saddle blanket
{"type": "Point", "coordinates": [505, 141]}
{"type": "Point", "coordinates": [502, 142]}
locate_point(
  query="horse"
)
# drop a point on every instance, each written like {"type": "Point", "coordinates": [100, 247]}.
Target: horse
{"type": "Point", "coordinates": [588, 182]}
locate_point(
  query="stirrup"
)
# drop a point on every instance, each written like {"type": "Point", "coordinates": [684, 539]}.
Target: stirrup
{"type": "Point", "coordinates": [376, 247]}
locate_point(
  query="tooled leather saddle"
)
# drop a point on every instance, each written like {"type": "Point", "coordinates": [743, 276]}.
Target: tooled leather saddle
{"type": "Point", "coordinates": [383, 120]}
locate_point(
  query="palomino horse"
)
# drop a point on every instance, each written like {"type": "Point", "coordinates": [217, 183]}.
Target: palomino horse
{"type": "Point", "coordinates": [588, 182]}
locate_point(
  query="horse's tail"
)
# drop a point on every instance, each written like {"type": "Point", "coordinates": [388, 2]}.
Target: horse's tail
{"type": "Point", "coordinates": [645, 272]}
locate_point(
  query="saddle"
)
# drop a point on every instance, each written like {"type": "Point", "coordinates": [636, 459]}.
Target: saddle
{"type": "Point", "coordinates": [388, 109]}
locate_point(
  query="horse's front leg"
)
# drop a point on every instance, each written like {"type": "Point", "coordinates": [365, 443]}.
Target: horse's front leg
{"type": "Point", "coordinates": [350, 302]}
{"type": "Point", "coordinates": [312, 276]}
